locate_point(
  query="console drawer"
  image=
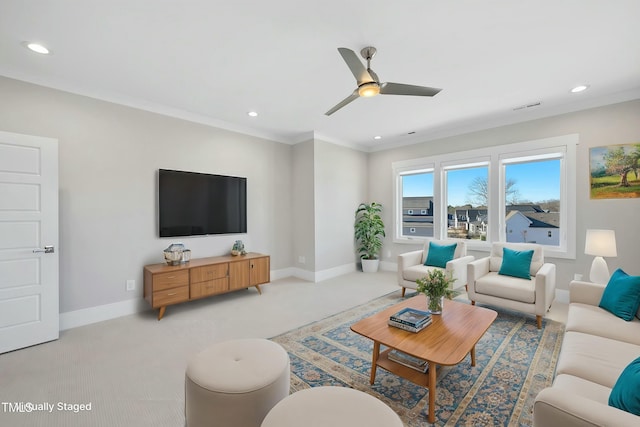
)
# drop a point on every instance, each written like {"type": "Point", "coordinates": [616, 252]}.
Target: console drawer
{"type": "Point", "coordinates": [210, 287]}
{"type": "Point", "coordinates": [209, 272]}
{"type": "Point", "coordinates": [170, 280]}
{"type": "Point", "coordinates": [170, 296]}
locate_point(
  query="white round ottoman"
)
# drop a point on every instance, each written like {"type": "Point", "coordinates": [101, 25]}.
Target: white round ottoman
{"type": "Point", "coordinates": [331, 407]}
{"type": "Point", "coordinates": [235, 383]}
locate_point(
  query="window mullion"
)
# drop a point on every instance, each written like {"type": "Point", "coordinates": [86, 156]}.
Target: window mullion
{"type": "Point", "coordinates": [438, 183]}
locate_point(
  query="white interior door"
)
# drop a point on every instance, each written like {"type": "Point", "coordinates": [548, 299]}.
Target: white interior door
{"type": "Point", "coordinates": [29, 312]}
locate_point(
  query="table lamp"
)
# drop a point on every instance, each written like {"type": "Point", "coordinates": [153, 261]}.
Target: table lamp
{"type": "Point", "coordinates": [600, 243]}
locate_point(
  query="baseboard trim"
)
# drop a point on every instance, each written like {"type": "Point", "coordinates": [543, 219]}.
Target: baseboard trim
{"type": "Point", "coordinates": [319, 276]}
{"type": "Point", "coordinates": [282, 273]}
{"type": "Point", "coordinates": [334, 272]}
{"type": "Point", "coordinates": [300, 273]}
{"type": "Point", "coordinates": [87, 316]}
{"type": "Point", "coordinates": [388, 266]}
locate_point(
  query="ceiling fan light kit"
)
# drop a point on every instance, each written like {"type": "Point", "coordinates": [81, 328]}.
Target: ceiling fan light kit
{"type": "Point", "coordinates": [369, 89]}
{"type": "Point", "coordinates": [369, 83]}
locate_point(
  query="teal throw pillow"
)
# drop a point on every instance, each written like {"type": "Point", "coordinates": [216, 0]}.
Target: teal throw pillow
{"type": "Point", "coordinates": [625, 394]}
{"type": "Point", "coordinates": [440, 255]}
{"type": "Point", "coordinates": [516, 263]}
{"type": "Point", "coordinates": [622, 295]}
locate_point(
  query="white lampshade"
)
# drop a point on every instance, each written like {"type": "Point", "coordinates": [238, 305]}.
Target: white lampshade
{"type": "Point", "coordinates": [600, 243]}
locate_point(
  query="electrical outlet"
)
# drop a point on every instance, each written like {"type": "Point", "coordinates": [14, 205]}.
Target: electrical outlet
{"type": "Point", "coordinates": [301, 259]}
{"type": "Point", "coordinates": [131, 285]}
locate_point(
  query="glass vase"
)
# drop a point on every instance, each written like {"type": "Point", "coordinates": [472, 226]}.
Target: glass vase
{"type": "Point", "coordinates": [435, 305]}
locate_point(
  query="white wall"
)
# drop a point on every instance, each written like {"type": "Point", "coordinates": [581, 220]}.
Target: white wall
{"type": "Point", "coordinates": [301, 199]}
{"type": "Point", "coordinates": [329, 181]}
{"type": "Point", "coordinates": [340, 186]}
{"type": "Point", "coordinates": [108, 161]}
{"type": "Point", "coordinates": [614, 124]}
{"type": "Point", "coordinates": [303, 237]}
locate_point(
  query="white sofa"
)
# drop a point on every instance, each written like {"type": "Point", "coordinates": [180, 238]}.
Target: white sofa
{"type": "Point", "coordinates": [533, 296]}
{"type": "Point", "coordinates": [597, 346]}
{"type": "Point", "coordinates": [411, 265]}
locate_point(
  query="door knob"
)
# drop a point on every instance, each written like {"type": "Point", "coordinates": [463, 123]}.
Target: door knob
{"type": "Point", "coordinates": [46, 250]}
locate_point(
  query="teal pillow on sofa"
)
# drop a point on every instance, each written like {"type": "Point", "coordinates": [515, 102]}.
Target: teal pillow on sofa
{"type": "Point", "coordinates": [625, 394]}
{"type": "Point", "coordinates": [516, 263]}
{"type": "Point", "coordinates": [621, 296]}
{"type": "Point", "coordinates": [440, 255]}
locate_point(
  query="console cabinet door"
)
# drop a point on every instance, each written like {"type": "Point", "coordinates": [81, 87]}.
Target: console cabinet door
{"type": "Point", "coordinates": [260, 271]}
{"type": "Point", "coordinates": [239, 274]}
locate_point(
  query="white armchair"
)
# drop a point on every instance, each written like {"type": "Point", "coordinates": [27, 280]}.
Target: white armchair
{"type": "Point", "coordinates": [532, 296]}
{"type": "Point", "coordinates": [411, 265]}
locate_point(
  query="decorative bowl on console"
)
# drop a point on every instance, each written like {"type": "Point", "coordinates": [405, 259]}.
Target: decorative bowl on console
{"type": "Point", "coordinates": [173, 254]}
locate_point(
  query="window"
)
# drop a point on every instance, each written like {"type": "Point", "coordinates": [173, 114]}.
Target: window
{"type": "Point", "coordinates": [522, 192]}
{"type": "Point", "coordinates": [417, 196]}
{"type": "Point", "coordinates": [532, 199]}
{"type": "Point", "coordinates": [467, 201]}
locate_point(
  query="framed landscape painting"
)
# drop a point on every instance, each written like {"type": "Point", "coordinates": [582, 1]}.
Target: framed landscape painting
{"type": "Point", "coordinates": [614, 171]}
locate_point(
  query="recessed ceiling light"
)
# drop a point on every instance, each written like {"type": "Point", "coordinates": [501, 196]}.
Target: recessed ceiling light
{"type": "Point", "coordinates": [38, 48]}
{"type": "Point", "coordinates": [377, 137]}
{"type": "Point", "coordinates": [252, 114]}
{"type": "Point", "coordinates": [580, 88]}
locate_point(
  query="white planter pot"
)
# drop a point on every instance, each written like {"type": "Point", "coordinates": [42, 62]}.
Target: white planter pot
{"type": "Point", "coordinates": [370, 265]}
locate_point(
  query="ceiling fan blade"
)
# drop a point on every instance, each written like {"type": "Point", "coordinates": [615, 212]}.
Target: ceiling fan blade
{"type": "Point", "coordinates": [342, 103]}
{"type": "Point", "coordinates": [402, 89]}
{"type": "Point", "coordinates": [357, 68]}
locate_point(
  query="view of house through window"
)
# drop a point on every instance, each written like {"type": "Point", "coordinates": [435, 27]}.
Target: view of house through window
{"type": "Point", "coordinates": [417, 204]}
{"type": "Point", "coordinates": [467, 208]}
{"type": "Point", "coordinates": [519, 192]}
{"type": "Point", "coordinates": [532, 201]}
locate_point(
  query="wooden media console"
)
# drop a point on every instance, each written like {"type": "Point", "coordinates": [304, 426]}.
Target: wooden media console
{"type": "Point", "coordinates": [166, 285]}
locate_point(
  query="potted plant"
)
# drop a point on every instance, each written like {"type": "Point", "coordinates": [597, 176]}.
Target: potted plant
{"type": "Point", "coordinates": [369, 231]}
{"type": "Point", "coordinates": [436, 286]}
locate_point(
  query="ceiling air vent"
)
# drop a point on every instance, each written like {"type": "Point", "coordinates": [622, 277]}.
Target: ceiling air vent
{"type": "Point", "coordinates": [531, 105]}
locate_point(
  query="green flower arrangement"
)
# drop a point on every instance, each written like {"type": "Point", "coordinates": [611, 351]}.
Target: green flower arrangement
{"type": "Point", "coordinates": [436, 285]}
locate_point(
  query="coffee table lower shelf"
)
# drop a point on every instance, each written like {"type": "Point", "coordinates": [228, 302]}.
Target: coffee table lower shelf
{"type": "Point", "coordinates": [416, 377]}
{"type": "Point", "coordinates": [446, 342]}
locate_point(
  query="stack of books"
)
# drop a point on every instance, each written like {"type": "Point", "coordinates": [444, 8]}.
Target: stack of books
{"type": "Point", "coordinates": [410, 319]}
{"type": "Point", "coordinates": [408, 360]}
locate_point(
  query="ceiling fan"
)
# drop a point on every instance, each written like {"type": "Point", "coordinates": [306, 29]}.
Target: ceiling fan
{"type": "Point", "coordinates": [369, 83]}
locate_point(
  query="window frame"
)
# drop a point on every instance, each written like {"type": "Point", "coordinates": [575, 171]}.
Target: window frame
{"type": "Point", "coordinates": [409, 168]}
{"type": "Point", "coordinates": [496, 157]}
{"type": "Point", "coordinates": [447, 167]}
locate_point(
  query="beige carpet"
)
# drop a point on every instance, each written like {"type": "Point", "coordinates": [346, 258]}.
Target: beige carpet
{"type": "Point", "coordinates": [131, 369]}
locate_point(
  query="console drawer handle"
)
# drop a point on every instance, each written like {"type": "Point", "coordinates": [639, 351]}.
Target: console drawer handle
{"type": "Point", "coordinates": [170, 295]}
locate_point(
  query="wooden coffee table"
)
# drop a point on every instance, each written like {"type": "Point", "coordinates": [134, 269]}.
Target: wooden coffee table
{"type": "Point", "coordinates": [447, 341]}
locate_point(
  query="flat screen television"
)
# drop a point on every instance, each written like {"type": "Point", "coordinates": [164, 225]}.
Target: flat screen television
{"type": "Point", "coordinates": [192, 204]}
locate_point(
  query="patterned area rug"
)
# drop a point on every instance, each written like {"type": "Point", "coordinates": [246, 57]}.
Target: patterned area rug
{"type": "Point", "coordinates": [514, 361]}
